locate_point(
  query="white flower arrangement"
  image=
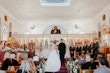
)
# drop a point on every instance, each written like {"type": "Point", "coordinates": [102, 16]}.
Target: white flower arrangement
{"type": "Point", "coordinates": [41, 65]}
{"type": "Point", "coordinates": [71, 67]}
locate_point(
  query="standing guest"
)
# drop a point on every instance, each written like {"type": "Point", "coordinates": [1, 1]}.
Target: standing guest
{"type": "Point", "coordinates": [95, 47]}
{"type": "Point", "coordinates": [7, 51]}
{"type": "Point", "coordinates": [102, 66]}
{"type": "Point", "coordinates": [72, 48]}
{"type": "Point", "coordinates": [1, 52]}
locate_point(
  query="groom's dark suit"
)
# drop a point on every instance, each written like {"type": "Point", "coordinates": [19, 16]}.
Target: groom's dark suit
{"type": "Point", "coordinates": [62, 50]}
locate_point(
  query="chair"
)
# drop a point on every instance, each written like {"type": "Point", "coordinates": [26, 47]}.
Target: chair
{"type": "Point", "coordinates": [86, 70]}
{"type": "Point", "coordinates": [14, 70]}
{"type": "Point", "coordinates": [16, 67]}
{"type": "Point", "coordinates": [8, 71]}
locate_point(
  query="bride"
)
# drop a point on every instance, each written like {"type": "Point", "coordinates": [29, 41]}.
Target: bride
{"type": "Point", "coordinates": [53, 63]}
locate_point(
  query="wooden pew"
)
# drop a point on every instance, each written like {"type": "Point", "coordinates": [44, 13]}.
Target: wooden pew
{"type": "Point", "coordinates": [13, 71]}
{"type": "Point", "coordinates": [86, 70]}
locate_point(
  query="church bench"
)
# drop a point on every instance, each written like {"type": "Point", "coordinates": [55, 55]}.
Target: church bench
{"type": "Point", "coordinates": [86, 70]}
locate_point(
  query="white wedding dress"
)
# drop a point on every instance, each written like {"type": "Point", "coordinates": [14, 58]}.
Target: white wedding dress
{"type": "Point", "coordinates": [53, 63]}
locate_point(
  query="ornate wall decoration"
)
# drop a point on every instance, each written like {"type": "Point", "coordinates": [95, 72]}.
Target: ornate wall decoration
{"type": "Point", "coordinates": [5, 18]}
{"type": "Point", "coordinates": [104, 17]}
{"type": "Point", "coordinates": [105, 29]}
{"type": "Point", "coordinates": [55, 30]}
{"type": "Point", "coordinates": [5, 32]}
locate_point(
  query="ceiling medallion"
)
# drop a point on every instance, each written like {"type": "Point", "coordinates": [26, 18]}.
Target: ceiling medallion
{"type": "Point", "coordinates": [105, 29]}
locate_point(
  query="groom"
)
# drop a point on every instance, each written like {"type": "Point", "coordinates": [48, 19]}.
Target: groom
{"type": "Point", "coordinates": [62, 51]}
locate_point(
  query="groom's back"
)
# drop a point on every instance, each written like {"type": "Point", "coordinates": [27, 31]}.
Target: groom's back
{"type": "Point", "coordinates": [62, 47]}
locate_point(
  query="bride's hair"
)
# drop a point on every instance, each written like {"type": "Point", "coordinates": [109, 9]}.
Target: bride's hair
{"type": "Point", "coordinates": [55, 41]}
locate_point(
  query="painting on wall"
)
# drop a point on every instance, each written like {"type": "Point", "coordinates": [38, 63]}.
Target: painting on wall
{"type": "Point", "coordinates": [5, 32]}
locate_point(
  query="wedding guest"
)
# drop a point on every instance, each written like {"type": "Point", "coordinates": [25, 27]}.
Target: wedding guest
{"type": "Point", "coordinates": [89, 65]}
{"type": "Point", "coordinates": [1, 52]}
{"type": "Point", "coordinates": [87, 57]}
{"type": "Point", "coordinates": [27, 66]}
{"type": "Point", "coordinates": [95, 46]}
{"type": "Point", "coordinates": [11, 61]}
{"type": "Point", "coordinates": [7, 51]}
{"type": "Point", "coordinates": [2, 71]}
{"type": "Point", "coordinates": [102, 66]}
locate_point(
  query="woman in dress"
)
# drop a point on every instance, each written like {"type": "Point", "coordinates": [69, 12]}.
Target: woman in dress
{"type": "Point", "coordinates": [53, 63]}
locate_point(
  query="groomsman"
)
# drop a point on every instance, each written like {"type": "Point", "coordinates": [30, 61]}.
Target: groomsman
{"type": "Point", "coordinates": [78, 49]}
{"type": "Point", "coordinates": [72, 48]}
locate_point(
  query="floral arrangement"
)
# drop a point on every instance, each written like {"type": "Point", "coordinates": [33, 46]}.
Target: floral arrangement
{"type": "Point", "coordinates": [72, 67]}
{"type": "Point", "coordinates": [41, 66]}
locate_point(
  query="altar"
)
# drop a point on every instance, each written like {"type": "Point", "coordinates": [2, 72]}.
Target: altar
{"type": "Point", "coordinates": [43, 42]}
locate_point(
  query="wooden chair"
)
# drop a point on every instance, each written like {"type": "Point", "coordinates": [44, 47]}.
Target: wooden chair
{"type": "Point", "coordinates": [16, 67]}
{"type": "Point", "coordinates": [86, 70]}
{"type": "Point", "coordinates": [13, 71]}
{"type": "Point", "coordinates": [8, 71]}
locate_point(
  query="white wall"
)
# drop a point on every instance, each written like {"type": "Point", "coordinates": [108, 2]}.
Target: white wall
{"type": "Point", "coordinates": [98, 21]}
{"type": "Point", "coordinates": [69, 25]}
{"type": "Point", "coordinates": [84, 25]}
{"type": "Point", "coordinates": [10, 19]}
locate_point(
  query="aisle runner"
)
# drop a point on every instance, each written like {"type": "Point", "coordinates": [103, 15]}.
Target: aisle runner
{"type": "Point", "coordinates": [63, 69]}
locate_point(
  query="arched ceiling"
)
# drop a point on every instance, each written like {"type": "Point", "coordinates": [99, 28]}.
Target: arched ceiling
{"type": "Point", "coordinates": [27, 10]}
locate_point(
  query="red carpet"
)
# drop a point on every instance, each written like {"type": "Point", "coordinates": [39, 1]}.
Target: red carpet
{"type": "Point", "coordinates": [63, 69]}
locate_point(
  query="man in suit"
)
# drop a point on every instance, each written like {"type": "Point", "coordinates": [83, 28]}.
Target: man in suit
{"type": "Point", "coordinates": [62, 51]}
{"type": "Point", "coordinates": [72, 48]}
{"type": "Point", "coordinates": [95, 47]}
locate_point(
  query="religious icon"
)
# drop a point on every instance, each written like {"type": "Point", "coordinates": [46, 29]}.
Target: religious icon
{"type": "Point", "coordinates": [55, 30]}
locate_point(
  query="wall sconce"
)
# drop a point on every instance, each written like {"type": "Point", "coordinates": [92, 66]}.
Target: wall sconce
{"type": "Point", "coordinates": [32, 27]}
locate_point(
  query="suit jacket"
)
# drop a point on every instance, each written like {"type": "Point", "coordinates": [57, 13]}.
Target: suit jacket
{"type": "Point", "coordinates": [62, 48]}
{"type": "Point", "coordinates": [72, 48]}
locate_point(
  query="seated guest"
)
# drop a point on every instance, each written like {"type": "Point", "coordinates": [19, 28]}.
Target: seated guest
{"type": "Point", "coordinates": [9, 62]}
{"type": "Point", "coordinates": [6, 63]}
{"type": "Point", "coordinates": [32, 66]}
{"type": "Point", "coordinates": [81, 60]}
{"type": "Point", "coordinates": [14, 62]}
{"type": "Point", "coordinates": [108, 59]}
{"type": "Point", "coordinates": [89, 65]}
{"type": "Point", "coordinates": [102, 66]}
{"type": "Point", "coordinates": [27, 66]}
{"type": "Point", "coordinates": [87, 57]}
{"type": "Point", "coordinates": [1, 71]}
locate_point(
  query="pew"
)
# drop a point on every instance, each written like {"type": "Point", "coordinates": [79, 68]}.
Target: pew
{"type": "Point", "coordinates": [14, 70]}
{"type": "Point", "coordinates": [86, 70]}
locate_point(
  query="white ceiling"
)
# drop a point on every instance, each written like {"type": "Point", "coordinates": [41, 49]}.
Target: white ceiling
{"type": "Point", "coordinates": [25, 10]}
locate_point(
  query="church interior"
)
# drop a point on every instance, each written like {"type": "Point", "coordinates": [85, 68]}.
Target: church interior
{"type": "Point", "coordinates": [28, 29]}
